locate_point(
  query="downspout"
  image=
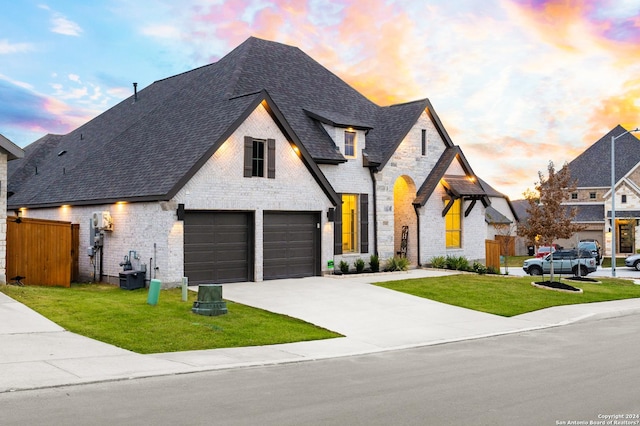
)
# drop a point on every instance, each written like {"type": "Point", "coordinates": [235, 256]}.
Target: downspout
{"type": "Point", "coordinates": [415, 208]}
{"type": "Point", "coordinates": [375, 211]}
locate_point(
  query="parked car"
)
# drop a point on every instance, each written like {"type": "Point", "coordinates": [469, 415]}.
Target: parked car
{"type": "Point", "coordinates": [593, 246]}
{"type": "Point", "coordinates": [545, 250]}
{"type": "Point", "coordinates": [564, 262]}
{"type": "Point", "coordinates": [633, 261]}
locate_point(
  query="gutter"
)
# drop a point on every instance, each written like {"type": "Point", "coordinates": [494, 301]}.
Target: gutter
{"type": "Point", "coordinates": [375, 211]}
{"type": "Point", "coordinates": [416, 207]}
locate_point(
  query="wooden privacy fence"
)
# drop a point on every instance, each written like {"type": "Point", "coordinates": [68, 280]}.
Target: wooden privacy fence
{"type": "Point", "coordinates": [492, 250]}
{"type": "Point", "coordinates": [507, 245]}
{"type": "Point", "coordinates": [44, 252]}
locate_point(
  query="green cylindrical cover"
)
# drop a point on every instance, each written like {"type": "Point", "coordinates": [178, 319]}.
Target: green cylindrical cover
{"type": "Point", "coordinates": [154, 292]}
{"type": "Point", "coordinates": [209, 293]}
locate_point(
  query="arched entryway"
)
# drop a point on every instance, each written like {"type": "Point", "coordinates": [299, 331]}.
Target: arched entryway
{"type": "Point", "coordinates": [404, 192]}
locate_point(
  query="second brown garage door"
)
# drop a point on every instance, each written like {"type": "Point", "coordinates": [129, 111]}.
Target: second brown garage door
{"type": "Point", "coordinates": [291, 245]}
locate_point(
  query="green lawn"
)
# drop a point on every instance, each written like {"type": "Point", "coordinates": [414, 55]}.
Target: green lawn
{"type": "Point", "coordinates": [123, 318]}
{"type": "Point", "coordinates": [509, 295]}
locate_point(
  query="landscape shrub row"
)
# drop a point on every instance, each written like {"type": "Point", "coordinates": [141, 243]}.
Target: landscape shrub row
{"type": "Point", "coordinates": [460, 263]}
{"type": "Point", "coordinates": [395, 263]}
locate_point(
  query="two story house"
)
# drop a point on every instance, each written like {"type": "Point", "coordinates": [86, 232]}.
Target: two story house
{"type": "Point", "coordinates": [592, 198]}
{"type": "Point", "coordinates": [259, 166]}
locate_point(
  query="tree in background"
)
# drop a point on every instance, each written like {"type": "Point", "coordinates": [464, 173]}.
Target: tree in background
{"type": "Point", "coordinates": [548, 219]}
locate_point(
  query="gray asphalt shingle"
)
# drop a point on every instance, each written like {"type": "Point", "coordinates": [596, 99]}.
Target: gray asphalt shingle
{"type": "Point", "coordinates": [147, 149]}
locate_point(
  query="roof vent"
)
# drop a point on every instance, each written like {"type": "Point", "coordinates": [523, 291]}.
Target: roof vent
{"type": "Point", "coordinates": [135, 92]}
{"type": "Point", "coordinates": [61, 153]}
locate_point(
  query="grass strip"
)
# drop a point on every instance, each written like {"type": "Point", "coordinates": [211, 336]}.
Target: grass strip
{"type": "Point", "coordinates": [123, 318]}
{"type": "Point", "coordinates": [507, 295]}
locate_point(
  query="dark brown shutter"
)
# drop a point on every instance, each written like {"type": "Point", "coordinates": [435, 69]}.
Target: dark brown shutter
{"type": "Point", "coordinates": [364, 223]}
{"type": "Point", "coordinates": [337, 229]}
{"type": "Point", "coordinates": [271, 158]}
{"type": "Point", "coordinates": [424, 142]}
{"type": "Point", "coordinates": [248, 154]}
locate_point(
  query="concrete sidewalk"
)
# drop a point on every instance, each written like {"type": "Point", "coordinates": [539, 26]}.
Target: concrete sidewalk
{"type": "Point", "coordinates": [36, 353]}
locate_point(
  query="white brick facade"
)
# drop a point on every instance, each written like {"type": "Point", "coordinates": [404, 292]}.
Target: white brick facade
{"type": "Point", "coordinates": [152, 231]}
{"type": "Point", "coordinates": [3, 218]}
{"type": "Point", "coordinates": [351, 178]}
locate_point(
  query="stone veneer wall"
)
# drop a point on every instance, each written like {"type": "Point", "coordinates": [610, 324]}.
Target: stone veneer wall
{"type": "Point", "coordinates": [409, 162]}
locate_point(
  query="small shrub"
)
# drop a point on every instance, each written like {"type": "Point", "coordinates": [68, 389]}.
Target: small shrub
{"type": "Point", "coordinates": [397, 263]}
{"type": "Point", "coordinates": [344, 267]}
{"type": "Point", "coordinates": [359, 264]}
{"type": "Point", "coordinates": [438, 262]}
{"type": "Point", "coordinates": [457, 263]}
{"type": "Point", "coordinates": [479, 268]}
{"type": "Point", "coordinates": [374, 263]}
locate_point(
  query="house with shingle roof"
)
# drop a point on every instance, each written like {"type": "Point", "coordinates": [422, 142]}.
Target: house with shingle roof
{"type": "Point", "coordinates": [592, 199]}
{"type": "Point", "coordinates": [259, 166]}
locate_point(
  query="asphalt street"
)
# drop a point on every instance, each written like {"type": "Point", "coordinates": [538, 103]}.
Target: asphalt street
{"type": "Point", "coordinates": [580, 373]}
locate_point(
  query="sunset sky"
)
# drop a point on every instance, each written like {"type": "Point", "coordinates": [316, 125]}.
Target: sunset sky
{"type": "Point", "coordinates": [517, 83]}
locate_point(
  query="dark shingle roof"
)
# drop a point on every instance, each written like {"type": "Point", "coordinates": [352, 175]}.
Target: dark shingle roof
{"type": "Point", "coordinates": [587, 212]}
{"type": "Point", "coordinates": [592, 168]}
{"type": "Point", "coordinates": [520, 207]}
{"type": "Point", "coordinates": [460, 184]}
{"type": "Point", "coordinates": [492, 192]}
{"type": "Point", "coordinates": [493, 216]}
{"type": "Point", "coordinates": [147, 149]}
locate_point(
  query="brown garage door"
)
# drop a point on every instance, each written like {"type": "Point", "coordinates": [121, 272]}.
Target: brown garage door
{"type": "Point", "coordinates": [291, 245]}
{"type": "Point", "coordinates": [217, 247]}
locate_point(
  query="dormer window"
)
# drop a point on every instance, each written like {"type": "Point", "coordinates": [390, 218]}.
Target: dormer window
{"type": "Point", "coordinates": [349, 143]}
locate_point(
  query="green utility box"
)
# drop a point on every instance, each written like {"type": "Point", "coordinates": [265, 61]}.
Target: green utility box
{"type": "Point", "coordinates": [210, 300]}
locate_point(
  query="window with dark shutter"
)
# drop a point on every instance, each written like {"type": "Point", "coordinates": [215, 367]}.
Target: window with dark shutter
{"type": "Point", "coordinates": [257, 158]}
{"type": "Point", "coordinates": [337, 229]}
{"type": "Point", "coordinates": [271, 158]}
{"type": "Point", "coordinates": [257, 152]}
{"type": "Point", "coordinates": [364, 223]}
{"type": "Point", "coordinates": [248, 152]}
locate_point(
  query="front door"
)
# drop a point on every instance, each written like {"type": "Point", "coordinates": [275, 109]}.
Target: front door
{"type": "Point", "coordinates": [626, 237]}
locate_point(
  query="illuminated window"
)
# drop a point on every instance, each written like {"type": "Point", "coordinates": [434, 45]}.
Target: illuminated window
{"type": "Point", "coordinates": [349, 143]}
{"type": "Point", "coordinates": [453, 225]}
{"type": "Point", "coordinates": [349, 223]}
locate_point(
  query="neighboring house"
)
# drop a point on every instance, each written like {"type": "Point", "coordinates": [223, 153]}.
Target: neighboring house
{"type": "Point", "coordinates": [262, 165]}
{"type": "Point", "coordinates": [502, 219]}
{"type": "Point", "coordinates": [8, 152]}
{"type": "Point", "coordinates": [592, 198]}
{"type": "Point", "coordinates": [523, 247]}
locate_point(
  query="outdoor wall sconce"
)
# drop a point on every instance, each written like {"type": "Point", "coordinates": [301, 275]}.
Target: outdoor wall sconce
{"type": "Point", "coordinates": [18, 216]}
{"type": "Point", "coordinates": [331, 215]}
{"type": "Point", "coordinates": [180, 212]}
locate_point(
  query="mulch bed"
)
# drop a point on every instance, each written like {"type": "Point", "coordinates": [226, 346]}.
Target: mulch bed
{"type": "Point", "coordinates": [583, 279]}
{"type": "Point", "coordinates": [558, 286]}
